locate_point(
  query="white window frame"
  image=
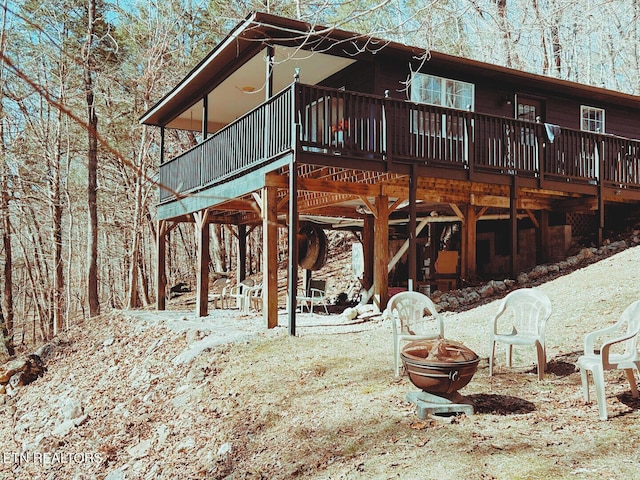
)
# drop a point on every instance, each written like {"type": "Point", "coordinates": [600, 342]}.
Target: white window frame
{"type": "Point", "coordinates": [445, 87]}
{"type": "Point", "coordinates": [588, 123]}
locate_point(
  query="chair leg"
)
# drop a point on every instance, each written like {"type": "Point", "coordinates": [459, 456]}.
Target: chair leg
{"type": "Point", "coordinates": [396, 355]}
{"type": "Point", "coordinates": [492, 352]}
{"type": "Point", "coordinates": [584, 376]}
{"type": "Point", "coordinates": [598, 380]}
{"type": "Point", "coordinates": [632, 382]}
{"type": "Point", "coordinates": [510, 356]}
{"type": "Point", "coordinates": [542, 361]}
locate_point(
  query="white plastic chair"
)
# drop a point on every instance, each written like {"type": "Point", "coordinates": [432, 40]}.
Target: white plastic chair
{"type": "Point", "coordinates": [526, 312]}
{"type": "Point", "coordinates": [252, 298]}
{"type": "Point", "coordinates": [317, 294]}
{"type": "Point", "coordinates": [412, 316]}
{"type": "Point", "coordinates": [237, 293]}
{"type": "Point", "coordinates": [622, 336]}
{"type": "Point", "coordinates": [217, 291]}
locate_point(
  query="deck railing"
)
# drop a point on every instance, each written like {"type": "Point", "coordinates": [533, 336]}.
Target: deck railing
{"type": "Point", "coordinates": [379, 129]}
{"type": "Point", "coordinates": [253, 140]}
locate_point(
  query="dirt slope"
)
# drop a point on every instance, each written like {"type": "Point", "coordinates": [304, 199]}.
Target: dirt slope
{"type": "Point", "coordinates": [137, 396]}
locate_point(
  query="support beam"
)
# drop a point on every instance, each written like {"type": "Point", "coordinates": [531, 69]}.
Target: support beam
{"type": "Point", "coordinates": [513, 223]}
{"type": "Point", "coordinates": [293, 246]}
{"type": "Point", "coordinates": [205, 117]}
{"type": "Point", "coordinates": [270, 256]}
{"type": "Point", "coordinates": [268, 93]}
{"type": "Point", "coordinates": [367, 251]}
{"type": "Point", "coordinates": [412, 258]}
{"type": "Point", "coordinates": [242, 253]}
{"type": "Point", "coordinates": [600, 214]}
{"type": "Point", "coordinates": [532, 217]}
{"type": "Point", "coordinates": [372, 208]}
{"type": "Point", "coordinates": [543, 238]}
{"type": "Point", "coordinates": [458, 212]}
{"type": "Point", "coordinates": [268, 82]}
{"type": "Point", "coordinates": [161, 147]}
{"type": "Point", "coordinates": [381, 255]}
{"type": "Point", "coordinates": [202, 281]}
{"type": "Point", "coordinates": [392, 263]}
{"type": "Point", "coordinates": [406, 245]}
{"type": "Point", "coordinates": [161, 262]}
{"type": "Point", "coordinates": [469, 242]}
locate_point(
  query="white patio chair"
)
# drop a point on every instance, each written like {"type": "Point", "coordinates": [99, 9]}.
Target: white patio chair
{"type": "Point", "coordinates": [521, 320]}
{"type": "Point", "coordinates": [622, 338]}
{"type": "Point", "coordinates": [317, 295]}
{"type": "Point", "coordinates": [217, 291]}
{"type": "Point", "coordinates": [302, 299]}
{"type": "Point", "coordinates": [252, 298]}
{"type": "Point", "coordinates": [412, 316]}
{"type": "Point", "coordinates": [236, 293]}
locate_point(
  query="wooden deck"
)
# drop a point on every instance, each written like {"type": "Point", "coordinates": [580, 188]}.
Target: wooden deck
{"type": "Point", "coordinates": [340, 129]}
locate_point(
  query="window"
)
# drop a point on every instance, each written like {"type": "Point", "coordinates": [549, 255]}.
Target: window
{"type": "Point", "coordinates": [526, 112]}
{"type": "Point", "coordinates": [442, 91]}
{"type": "Point", "coordinates": [591, 119]}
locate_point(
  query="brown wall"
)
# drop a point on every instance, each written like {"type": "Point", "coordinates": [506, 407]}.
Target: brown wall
{"type": "Point", "coordinates": [500, 264]}
{"type": "Point", "coordinates": [491, 94]}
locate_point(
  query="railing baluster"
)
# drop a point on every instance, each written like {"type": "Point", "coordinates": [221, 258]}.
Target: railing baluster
{"type": "Point", "coordinates": [370, 127]}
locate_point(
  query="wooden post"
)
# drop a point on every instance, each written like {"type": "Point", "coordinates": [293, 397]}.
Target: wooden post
{"type": "Point", "coordinates": [202, 282]}
{"type": "Point", "coordinates": [161, 147]}
{"type": "Point", "coordinates": [513, 223]}
{"type": "Point", "coordinates": [270, 256]}
{"type": "Point", "coordinates": [242, 253]}
{"type": "Point", "coordinates": [161, 260]}
{"type": "Point", "coordinates": [381, 255]}
{"type": "Point", "coordinates": [600, 214]}
{"type": "Point", "coordinates": [543, 238]}
{"type": "Point", "coordinates": [268, 81]}
{"type": "Point", "coordinates": [469, 259]}
{"type": "Point", "coordinates": [601, 175]}
{"type": "Point", "coordinates": [205, 117]}
{"type": "Point", "coordinates": [412, 260]}
{"type": "Point", "coordinates": [268, 93]}
{"type": "Point", "coordinates": [367, 251]}
{"type": "Point", "coordinates": [293, 246]}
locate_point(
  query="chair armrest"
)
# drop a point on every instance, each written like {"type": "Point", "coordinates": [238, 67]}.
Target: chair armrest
{"type": "Point", "coordinates": [606, 347]}
{"type": "Point", "coordinates": [496, 317]}
{"type": "Point", "coordinates": [315, 293]}
{"type": "Point", "coordinates": [591, 337]}
{"type": "Point", "coordinates": [394, 323]}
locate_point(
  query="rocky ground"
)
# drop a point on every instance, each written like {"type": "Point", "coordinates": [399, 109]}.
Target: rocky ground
{"type": "Point", "coordinates": [141, 395]}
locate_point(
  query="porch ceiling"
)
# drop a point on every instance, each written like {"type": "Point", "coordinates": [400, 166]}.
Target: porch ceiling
{"type": "Point", "coordinates": [244, 89]}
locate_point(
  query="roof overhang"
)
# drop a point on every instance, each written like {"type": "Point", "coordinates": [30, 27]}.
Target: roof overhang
{"type": "Point", "coordinates": [233, 75]}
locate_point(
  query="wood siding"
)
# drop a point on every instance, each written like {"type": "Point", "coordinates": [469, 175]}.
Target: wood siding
{"type": "Point", "coordinates": [491, 96]}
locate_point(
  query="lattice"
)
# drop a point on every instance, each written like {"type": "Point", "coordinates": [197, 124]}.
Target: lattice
{"type": "Point", "coordinates": [582, 224]}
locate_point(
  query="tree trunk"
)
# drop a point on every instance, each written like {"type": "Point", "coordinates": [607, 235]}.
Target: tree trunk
{"type": "Point", "coordinates": [56, 216]}
{"type": "Point", "coordinates": [6, 319]}
{"type": "Point", "coordinates": [92, 167]}
{"type": "Point", "coordinates": [133, 297]}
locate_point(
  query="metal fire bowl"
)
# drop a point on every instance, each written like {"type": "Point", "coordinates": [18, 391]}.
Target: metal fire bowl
{"type": "Point", "coordinates": [437, 376]}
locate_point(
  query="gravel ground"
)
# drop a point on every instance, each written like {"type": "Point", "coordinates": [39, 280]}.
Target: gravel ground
{"type": "Point", "coordinates": [141, 395]}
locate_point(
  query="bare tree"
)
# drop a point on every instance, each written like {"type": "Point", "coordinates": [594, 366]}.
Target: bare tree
{"type": "Point", "coordinates": [6, 319]}
{"type": "Point", "coordinates": [92, 164]}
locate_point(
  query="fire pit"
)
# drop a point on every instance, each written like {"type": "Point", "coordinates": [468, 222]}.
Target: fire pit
{"type": "Point", "coordinates": [439, 368]}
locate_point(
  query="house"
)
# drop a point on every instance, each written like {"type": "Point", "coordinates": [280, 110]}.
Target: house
{"type": "Point", "coordinates": [458, 168]}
